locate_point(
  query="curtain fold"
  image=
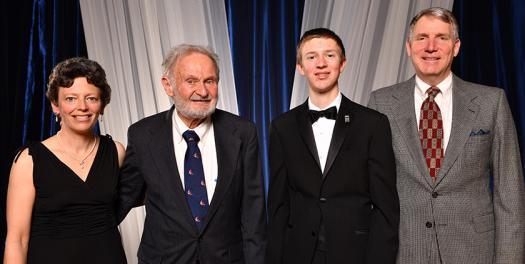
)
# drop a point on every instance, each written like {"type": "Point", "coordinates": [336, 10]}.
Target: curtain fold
{"type": "Point", "coordinates": [492, 51]}
{"type": "Point", "coordinates": [37, 35]}
{"type": "Point", "coordinates": [263, 37]}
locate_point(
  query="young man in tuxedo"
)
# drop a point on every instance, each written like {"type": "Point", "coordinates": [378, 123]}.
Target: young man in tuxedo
{"type": "Point", "coordinates": [332, 195]}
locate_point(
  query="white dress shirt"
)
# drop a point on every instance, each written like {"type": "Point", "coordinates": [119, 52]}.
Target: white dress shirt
{"type": "Point", "coordinates": [206, 146]}
{"type": "Point", "coordinates": [323, 129]}
{"type": "Point", "coordinates": [443, 100]}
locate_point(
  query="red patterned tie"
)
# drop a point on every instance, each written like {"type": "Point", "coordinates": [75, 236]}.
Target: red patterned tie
{"type": "Point", "coordinates": [431, 132]}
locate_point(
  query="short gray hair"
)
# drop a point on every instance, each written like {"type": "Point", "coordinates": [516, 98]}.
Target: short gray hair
{"type": "Point", "coordinates": [440, 13]}
{"type": "Point", "coordinates": [182, 50]}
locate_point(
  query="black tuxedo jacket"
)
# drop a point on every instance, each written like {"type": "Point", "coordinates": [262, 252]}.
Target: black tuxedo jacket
{"type": "Point", "coordinates": [234, 231]}
{"type": "Point", "coordinates": [355, 198]}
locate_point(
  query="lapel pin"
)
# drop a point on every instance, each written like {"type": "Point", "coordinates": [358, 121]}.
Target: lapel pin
{"type": "Point", "coordinates": [347, 119]}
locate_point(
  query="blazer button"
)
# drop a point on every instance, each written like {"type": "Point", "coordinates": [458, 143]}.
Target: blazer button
{"type": "Point", "coordinates": [313, 233]}
{"type": "Point", "coordinates": [428, 224]}
{"type": "Point", "coordinates": [322, 200]}
{"type": "Point", "coordinates": [434, 194]}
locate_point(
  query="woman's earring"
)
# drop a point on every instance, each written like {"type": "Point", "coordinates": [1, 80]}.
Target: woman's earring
{"type": "Point", "coordinates": [56, 117]}
{"type": "Point", "coordinates": [101, 120]}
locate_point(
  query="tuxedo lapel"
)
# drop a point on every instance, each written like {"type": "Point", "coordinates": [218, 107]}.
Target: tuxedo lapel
{"type": "Point", "coordinates": [341, 128]}
{"type": "Point", "coordinates": [305, 130]}
{"type": "Point", "coordinates": [463, 115]}
{"type": "Point", "coordinates": [162, 148]}
{"type": "Point", "coordinates": [405, 120]}
{"type": "Point", "coordinates": [228, 147]}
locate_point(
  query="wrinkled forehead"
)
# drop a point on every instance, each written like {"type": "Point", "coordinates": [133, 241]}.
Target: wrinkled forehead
{"type": "Point", "coordinates": [433, 19]}
{"type": "Point", "coordinates": [197, 59]}
{"type": "Point", "coordinates": [432, 24]}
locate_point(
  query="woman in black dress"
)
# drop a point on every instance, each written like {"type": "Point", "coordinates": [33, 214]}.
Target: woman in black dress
{"type": "Point", "coordinates": [62, 191]}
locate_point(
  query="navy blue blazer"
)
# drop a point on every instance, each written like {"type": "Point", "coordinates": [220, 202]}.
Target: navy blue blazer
{"type": "Point", "coordinates": [234, 229]}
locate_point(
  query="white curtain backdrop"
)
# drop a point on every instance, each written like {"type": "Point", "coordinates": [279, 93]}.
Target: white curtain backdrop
{"type": "Point", "coordinates": [129, 39]}
{"type": "Point", "coordinates": [374, 33]}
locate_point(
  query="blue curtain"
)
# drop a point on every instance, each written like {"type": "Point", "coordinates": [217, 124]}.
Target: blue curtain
{"type": "Point", "coordinates": [36, 34]}
{"type": "Point", "coordinates": [492, 50]}
{"type": "Point", "coordinates": [263, 37]}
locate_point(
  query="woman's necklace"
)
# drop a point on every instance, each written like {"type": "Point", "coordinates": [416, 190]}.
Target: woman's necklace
{"type": "Point", "coordinates": [82, 162]}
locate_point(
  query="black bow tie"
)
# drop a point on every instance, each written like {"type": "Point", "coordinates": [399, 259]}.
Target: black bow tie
{"type": "Point", "coordinates": [330, 113]}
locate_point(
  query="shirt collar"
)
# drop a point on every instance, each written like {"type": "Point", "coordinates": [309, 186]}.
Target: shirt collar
{"type": "Point", "coordinates": [444, 86]}
{"type": "Point", "coordinates": [202, 129]}
{"type": "Point", "coordinates": [336, 102]}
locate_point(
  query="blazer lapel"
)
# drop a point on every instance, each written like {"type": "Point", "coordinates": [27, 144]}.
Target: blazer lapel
{"type": "Point", "coordinates": [162, 147]}
{"type": "Point", "coordinates": [341, 128]}
{"type": "Point", "coordinates": [228, 147]}
{"type": "Point", "coordinates": [405, 120]}
{"type": "Point", "coordinates": [305, 130]}
{"type": "Point", "coordinates": [464, 112]}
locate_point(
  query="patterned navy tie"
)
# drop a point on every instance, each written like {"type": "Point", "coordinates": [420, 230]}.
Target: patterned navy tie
{"type": "Point", "coordinates": [431, 132]}
{"type": "Point", "coordinates": [194, 182]}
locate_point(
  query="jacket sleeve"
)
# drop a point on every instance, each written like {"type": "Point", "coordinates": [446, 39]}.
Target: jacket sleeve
{"type": "Point", "coordinates": [131, 183]}
{"type": "Point", "coordinates": [278, 200]}
{"type": "Point", "coordinates": [253, 216]}
{"type": "Point", "coordinates": [509, 194]}
{"type": "Point", "coordinates": [383, 238]}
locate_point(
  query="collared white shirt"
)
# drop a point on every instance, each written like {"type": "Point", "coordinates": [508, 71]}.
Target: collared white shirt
{"type": "Point", "coordinates": [206, 146]}
{"type": "Point", "coordinates": [323, 129]}
{"type": "Point", "coordinates": [443, 100]}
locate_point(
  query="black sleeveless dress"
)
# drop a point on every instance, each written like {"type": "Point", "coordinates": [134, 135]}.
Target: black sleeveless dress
{"type": "Point", "coordinates": [74, 221]}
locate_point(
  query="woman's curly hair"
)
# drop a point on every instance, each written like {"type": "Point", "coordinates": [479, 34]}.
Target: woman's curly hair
{"type": "Point", "coordinates": [64, 74]}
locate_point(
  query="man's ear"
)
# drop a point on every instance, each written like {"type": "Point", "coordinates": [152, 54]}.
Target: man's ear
{"type": "Point", "coordinates": [342, 66]}
{"type": "Point", "coordinates": [299, 68]}
{"type": "Point", "coordinates": [407, 47]}
{"type": "Point", "coordinates": [457, 44]}
{"type": "Point", "coordinates": [168, 88]}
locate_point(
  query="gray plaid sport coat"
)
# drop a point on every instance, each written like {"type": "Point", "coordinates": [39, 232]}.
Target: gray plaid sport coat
{"type": "Point", "coordinates": [458, 218]}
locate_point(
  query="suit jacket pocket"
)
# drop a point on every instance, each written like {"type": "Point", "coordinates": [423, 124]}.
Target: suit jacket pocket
{"type": "Point", "coordinates": [480, 139]}
{"type": "Point", "coordinates": [483, 223]}
{"type": "Point", "coordinates": [149, 260]}
{"type": "Point", "coordinates": [361, 231]}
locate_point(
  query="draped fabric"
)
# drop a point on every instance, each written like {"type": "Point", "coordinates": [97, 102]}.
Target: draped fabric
{"type": "Point", "coordinates": [129, 38]}
{"type": "Point", "coordinates": [37, 34]}
{"type": "Point", "coordinates": [374, 34]}
{"type": "Point", "coordinates": [492, 51]}
{"type": "Point", "coordinates": [263, 37]}
{"type": "Point", "coordinates": [56, 34]}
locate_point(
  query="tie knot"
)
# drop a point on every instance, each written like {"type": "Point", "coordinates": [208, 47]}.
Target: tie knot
{"type": "Point", "coordinates": [190, 136]}
{"type": "Point", "coordinates": [330, 113]}
{"type": "Point", "coordinates": [432, 92]}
